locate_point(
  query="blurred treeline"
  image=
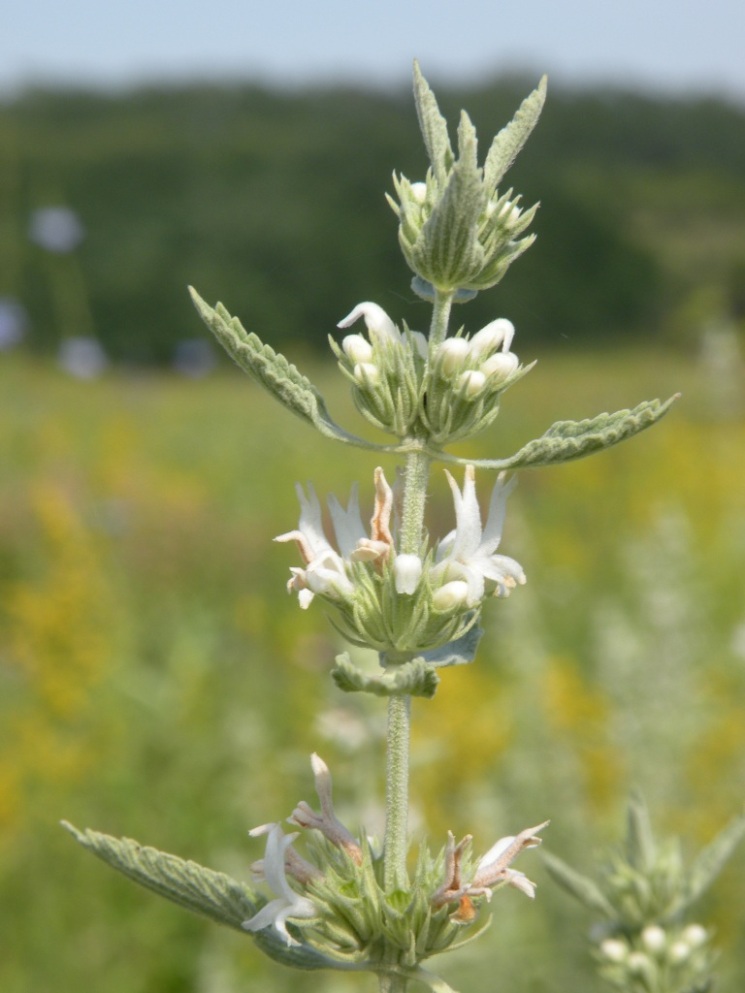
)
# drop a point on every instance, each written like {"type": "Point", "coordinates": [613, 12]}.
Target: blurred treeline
{"type": "Point", "coordinates": [273, 202]}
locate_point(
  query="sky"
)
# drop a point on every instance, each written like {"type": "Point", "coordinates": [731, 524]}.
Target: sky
{"type": "Point", "coordinates": [677, 46]}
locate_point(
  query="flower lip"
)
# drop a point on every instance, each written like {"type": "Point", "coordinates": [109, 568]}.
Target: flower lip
{"type": "Point", "coordinates": [288, 903]}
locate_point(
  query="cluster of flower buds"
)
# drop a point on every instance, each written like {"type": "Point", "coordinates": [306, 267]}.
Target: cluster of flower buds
{"type": "Point", "coordinates": [456, 230]}
{"type": "Point", "coordinates": [386, 371]}
{"type": "Point", "coordinates": [401, 603]}
{"type": "Point", "coordinates": [399, 385]}
{"type": "Point", "coordinates": [339, 904]}
{"type": "Point", "coordinates": [667, 959]}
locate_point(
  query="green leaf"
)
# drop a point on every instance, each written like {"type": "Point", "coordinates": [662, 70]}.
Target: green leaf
{"type": "Point", "coordinates": [568, 440]}
{"type": "Point", "coordinates": [272, 371]}
{"type": "Point", "coordinates": [710, 862]}
{"type": "Point", "coordinates": [510, 140]}
{"type": "Point", "coordinates": [203, 891]}
{"type": "Point", "coordinates": [433, 126]}
{"type": "Point", "coordinates": [579, 886]}
{"type": "Point", "coordinates": [415, 678]}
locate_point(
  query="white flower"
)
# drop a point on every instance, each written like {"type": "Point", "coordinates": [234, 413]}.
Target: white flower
{"type": "Point", "coordinates": [383, 332]}
{"type": "Point", "coordinates": [496, 334]}
{"type": "Point", "coordinates": [451, 356]}
{"type": "Point", "coordinates": [467, 554]}
{"type": "Point", "coordinates": [695, 935]}
{"type": "Point", "coordinates": [326, 571]}
{"type": "Point", "coordinates": [288, 903]}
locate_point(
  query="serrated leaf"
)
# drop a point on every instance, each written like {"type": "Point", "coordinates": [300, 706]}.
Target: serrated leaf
{"type": "Point", "coordinates": [458, 652]}
{"type": "Point", "coordinates": [272, 371]}
{"type": "Point", "coordinates": [710, 862]}
{"type": "Point", "coordinates": [569, 440]}
{"type": "Point", "coordinates": [415, 678]}
{"type": "Point", "coordinates": [508, 143]}
{"type": "Point", "coordinates": [203, 891]}
{"type": "Point", "coordinates": [433, 126]}
{"type": "Point", "coordinates": [581, 887]}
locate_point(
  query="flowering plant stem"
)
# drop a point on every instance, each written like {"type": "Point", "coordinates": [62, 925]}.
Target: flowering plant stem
{"type": "Point", "coordinates": [416, 478]}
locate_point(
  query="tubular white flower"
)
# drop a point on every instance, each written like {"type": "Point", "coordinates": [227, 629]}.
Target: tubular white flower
{"type": "Point", "coordinates": [496, 334]}
{"type": "Point", "coordinates": [654, 938]}
{"type": "Point", "coordinates": [288, 903]}
{"type": "Point", "coordinates": [407, 571]}
{"type": "Point", "coordinates": [468, 553]}
{"type": "Point", "coordinates": [327, 571]}
{"type": "Point", "coordinates": [379, 325]}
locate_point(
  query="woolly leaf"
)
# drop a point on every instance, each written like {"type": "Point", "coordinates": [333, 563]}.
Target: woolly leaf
{"type": "Point", "coordinates": [203, 891]}
{"type": "Point", "coordinates": [568, 440]}
{"type": "Point", "coordinates": [433, 126]}
{"type": "Point", "coordinates": [710, 862]}
{"type": "Point", "coordinates": [509, 141]}
{"type": "Point", "coordinates": [579, 886]}
{"type": "Point", "coordinates": [272, 371]}
{"type": "Point", "coordinates": [415, 678]}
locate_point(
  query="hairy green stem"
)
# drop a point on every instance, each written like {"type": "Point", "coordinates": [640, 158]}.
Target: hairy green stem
{"type": "Point", "coordinates": [438, 327]}
{"type": "Point", "coordinates": [391, 983]}
{"type": "Point", "coordinates": [416, 478]}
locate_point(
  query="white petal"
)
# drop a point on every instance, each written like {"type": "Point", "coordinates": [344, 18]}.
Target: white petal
{"type": "Point", "coordinates": [501, 366]}
{"type": "Point", "coordinates": [348, 526]}
{"type": "Point", "coordinates": [495, 519]}
{"type": "Point", "coordinates": [378, 323]}
{"type": "Point", "coordinates": [497, 334]}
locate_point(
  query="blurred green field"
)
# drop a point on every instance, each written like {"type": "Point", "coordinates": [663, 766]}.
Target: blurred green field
{"type": "Point", "coordinates": [157, 682]}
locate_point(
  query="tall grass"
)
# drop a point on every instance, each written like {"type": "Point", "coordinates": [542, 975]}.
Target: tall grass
{"type": "Point", "coordinates": [155, 681]}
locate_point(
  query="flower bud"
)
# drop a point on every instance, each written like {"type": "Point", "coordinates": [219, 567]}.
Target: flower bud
{"type": "Point", "coordinates": [679, 951]}
{"type": "Point", "coordinates": [497, 334]}
{"type": "Point", "coordinates": [419, 191]}
{"type": "Point", "coordinates": [695, 935]}
{"type": "Point", "coordinates": [451, 355]}
{"type": "Point", "coordinates": [407, 571]}
{"type": "Point", "coordinates": [471, 383]}
{"type": "Point", "coordinates": [614, 949]}
{"type": "Point", "coordinates": [451, 596]}
{"type": "Point", "coordinates": [501, 366]}
{"type": "Point", "coordinates": [654, 938]}
{"type": "Point", "coordinates": [367, 374]}
{"type": "Point", "coordinates": [357, 349]}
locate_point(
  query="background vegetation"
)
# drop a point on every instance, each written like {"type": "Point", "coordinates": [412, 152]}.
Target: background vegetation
{"type": "Point", "coordinates": [273, 202]}
{"type": "Point", "coordinates": [156, 682]}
